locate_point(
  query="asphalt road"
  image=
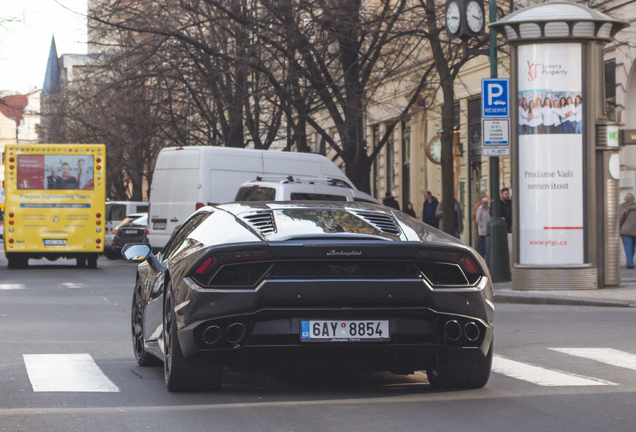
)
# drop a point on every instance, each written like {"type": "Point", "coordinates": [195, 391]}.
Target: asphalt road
{"type": "Point", "coordinates": [557, 368]}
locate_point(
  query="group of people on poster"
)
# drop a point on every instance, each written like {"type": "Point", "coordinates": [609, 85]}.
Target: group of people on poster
{"type": "Point", "coordinates": [65, 177]}
{"type": "Point", "coordinates": [556, 113]}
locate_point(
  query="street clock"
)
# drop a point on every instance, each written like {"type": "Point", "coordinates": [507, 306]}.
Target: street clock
{"type": "Point", "coordinates": [475, 17]}
{"type": "Point", "coordinates": [453, 17]}
{"type": "Point", "coordinates": [465, 18]}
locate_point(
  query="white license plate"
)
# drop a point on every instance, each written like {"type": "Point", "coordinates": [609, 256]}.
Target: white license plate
{"type": "Point", "coordinates": [159, 225]}
{"type": "Point", "coordinates": [130, 232]}
{"type": "Point", "coordinates": [54, 242]}
{"type": "Point", "coordinates": [344, 331]}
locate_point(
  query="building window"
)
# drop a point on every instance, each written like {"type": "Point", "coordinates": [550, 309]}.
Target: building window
{"type": "Point", "coordinates": [406, 162]}
{"type": "Point", "coordinates": [610, 88]}
{"type": "Point", "coordinates": [390, 148]}
{"type": "Point", "coordinates": [474, 128]}
{"type": "Point", "coordinates": [375, 139]}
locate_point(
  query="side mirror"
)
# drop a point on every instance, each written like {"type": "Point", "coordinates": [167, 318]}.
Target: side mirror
{"type": "Point", "coordinates": [136, 252]}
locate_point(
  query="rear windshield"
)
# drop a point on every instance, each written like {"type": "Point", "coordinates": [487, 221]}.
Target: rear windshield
{"type": "Point", "coordinates": [115, 212]}
{"type": "Point", "coordinates": [316, 197]}
{"type": "Point", "coordinates": [256, 194]}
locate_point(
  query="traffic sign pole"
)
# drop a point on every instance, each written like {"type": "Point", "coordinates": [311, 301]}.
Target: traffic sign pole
{"type": "Point", "coordinates": [497, 257]}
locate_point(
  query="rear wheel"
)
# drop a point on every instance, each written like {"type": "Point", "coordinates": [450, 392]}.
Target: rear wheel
{"type": "Point", "coordinates": [111, 254]}
{"type": "Point", "coordinates": [139, 343]}
{"type": "Point", "coordinates": [16, 261]}
{"type": "Point", "coordinates": [181, 374]}
{"type": "Point", "coordinates": [91, 261]}
{"type": "Point", "coordinates": [81, 262]}
{"type": "Point", "coordinates": [469, 374]}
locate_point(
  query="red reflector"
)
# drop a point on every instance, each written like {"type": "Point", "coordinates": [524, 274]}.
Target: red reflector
{"type": "Point", "coordinates": [198, 206]}
{"type": "Point", "coordinates": [470, 265]}
{"type": "Point", "coordinates": [255, 185]}
{"type": "Point", "coordinates": [10, 240]}
{"type": "Point", "coordinates": [98, 215]}
{"type": "Point", "coordinates": [204, 266]}
{"type": "Point", "coordinates": [98, 241]}
{"type": "Point", "coordinates": [11, 214]}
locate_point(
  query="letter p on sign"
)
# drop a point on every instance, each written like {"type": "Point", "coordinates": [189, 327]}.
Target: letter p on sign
{"type": "Point", "coordinates": [494, 91]}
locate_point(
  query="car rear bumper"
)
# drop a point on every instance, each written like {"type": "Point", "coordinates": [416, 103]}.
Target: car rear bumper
{"type": "Point", "coordinates": [418, 340]}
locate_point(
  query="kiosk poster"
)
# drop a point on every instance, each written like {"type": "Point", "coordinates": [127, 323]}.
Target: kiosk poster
{"type": "Point", "coordinates": [551, 228]}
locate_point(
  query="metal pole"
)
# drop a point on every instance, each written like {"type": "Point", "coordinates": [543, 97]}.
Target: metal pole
{"type": "Point", "coordinates": [497, 256]}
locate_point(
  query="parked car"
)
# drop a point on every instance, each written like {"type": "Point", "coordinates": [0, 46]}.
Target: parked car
{"type": "Point", "coordinates": [291, 188]}
{"type": "Point", "coordinates": [116, 212]}
{"type": "Point", "coordinates": [133, 229]}
{"type": "Point", "coordinates": [287, 285]}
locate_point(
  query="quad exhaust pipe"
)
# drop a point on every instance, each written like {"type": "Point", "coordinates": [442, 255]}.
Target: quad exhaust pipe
{"type": "Point", "coordinates": [453, 331]}
{"type": "Point", "coordinates": [235, 332]}
{"type": "Point", "coordinates": [212, 334]}
{"type": "Point", "coordinates": [471, 331]}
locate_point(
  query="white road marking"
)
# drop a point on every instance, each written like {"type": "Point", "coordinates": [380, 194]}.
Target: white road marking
{"type": "Point", "coordinates": [9, 286]}
{"type": "Point", "coordinates": [71, 285]}
{"type": "Point", "coordinates": [66, 373]}
{"type": "Point", "coordinates": [541, 376]}
{"type": "Point", "coordinates": [608, 356]}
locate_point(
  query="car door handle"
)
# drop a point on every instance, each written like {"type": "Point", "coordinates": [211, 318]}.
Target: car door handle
{"type": "Point", "coordinates": [174, 220]}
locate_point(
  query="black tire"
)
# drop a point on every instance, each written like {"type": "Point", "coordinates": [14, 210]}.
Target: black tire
{"type": "Point", "coordinates": [111, 254]}
{"type": "Point", "coordinates": [81, 262]}
{"type": "Point", "coordinates": [143, 357]}
{"type": "Point", "coordinates": [17, 261]}
{"type": "Point", "coordinates": [91, 261]}
{"type": "Point", "coordinates": [181, 374]}
{"type": "Point", "coordinates": [469, 374]}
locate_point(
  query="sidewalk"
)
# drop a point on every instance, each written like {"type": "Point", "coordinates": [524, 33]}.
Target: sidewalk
{"type": "Point", "coordinates": [620, 296]}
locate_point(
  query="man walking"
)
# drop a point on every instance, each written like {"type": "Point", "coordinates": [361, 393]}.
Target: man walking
{"type": "Point", "coordinates": [505, 207]}
{"type": "Point", "coordinates": [429, 209]}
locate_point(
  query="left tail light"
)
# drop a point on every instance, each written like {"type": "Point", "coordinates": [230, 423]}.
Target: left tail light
{"type": "Point", "coordinates": [448, 268]}
{"type": "Point", "coordinates": [244, 267]}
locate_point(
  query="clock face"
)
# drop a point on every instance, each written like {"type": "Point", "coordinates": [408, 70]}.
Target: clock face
{"type": "Point", "coordinates": [434, 150]}
{"type": "Point", "coordinates": [452, 18]}
{"type": "Point", "coordinates": [474, 17]}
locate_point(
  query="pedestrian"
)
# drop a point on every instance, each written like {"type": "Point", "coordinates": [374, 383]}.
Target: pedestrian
{"type": "Point", "coordinates": [459, 217]}
{"type": "Point", "coordinates": [481, 218]}
{"type": "Point", "coordinates": [409, 210]}
{"type": "Point", "coordinates": [429, 209]}
{"type": "Point", "coordinates": [475, 208]}
{"type": "Point", "coordinates": [389, 201]}
{"type": "Point", "coordinates": [505, 207]}
{"type": "Point", "coordinates": [627, 219]}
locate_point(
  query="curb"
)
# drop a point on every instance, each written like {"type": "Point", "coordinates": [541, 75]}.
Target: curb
{"type": "Point", "coordinates": [562, 301]}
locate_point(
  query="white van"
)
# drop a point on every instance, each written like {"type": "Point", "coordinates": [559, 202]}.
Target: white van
{"type": "Point", "coordinates": [187, 178]}
{"type": "Point", "coordinates": [300, 188]}
{"type": "Point", "coordinates": [116, 211]}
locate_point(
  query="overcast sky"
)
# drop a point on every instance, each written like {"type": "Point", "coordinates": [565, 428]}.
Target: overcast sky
{"type": "Point", "coordinates": [25, 42]}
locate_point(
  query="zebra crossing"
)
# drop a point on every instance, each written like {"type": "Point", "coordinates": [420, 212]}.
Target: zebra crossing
{"type": "Point", "coordinates": [80, 373]}
{"type": "Point", "coordinates": [62, 285]}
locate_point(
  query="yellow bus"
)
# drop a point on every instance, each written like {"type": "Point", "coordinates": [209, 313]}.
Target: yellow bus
{"type": "Point", "coordinates": [54, 202]}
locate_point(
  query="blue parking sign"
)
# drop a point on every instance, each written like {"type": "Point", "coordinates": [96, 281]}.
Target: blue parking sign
{"type": "Point", "coordinates": [495, 97]}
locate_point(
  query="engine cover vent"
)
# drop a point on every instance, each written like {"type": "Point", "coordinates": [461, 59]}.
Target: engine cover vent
{"type": "Point", "coordinates": [381, 221]}
{"type": "Point", "coordinates": [262, 221]}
